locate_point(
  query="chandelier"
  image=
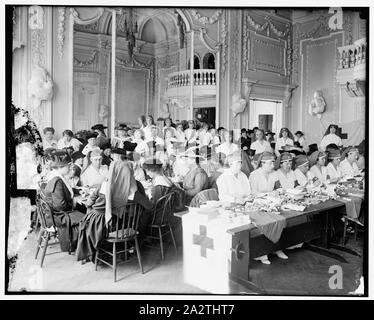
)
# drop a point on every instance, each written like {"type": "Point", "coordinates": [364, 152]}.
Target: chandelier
{"type": "Point", "coordinates": [128, 25]}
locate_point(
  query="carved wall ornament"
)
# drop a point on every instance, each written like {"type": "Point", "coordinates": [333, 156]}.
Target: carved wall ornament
{"type": "Point", "coordinates": [238, 105]}
{"type": "Point", "coordinates": [40, 86]}
{"type": "Point", "coordinates": [321, 29]}
{"type": "Point", "coordinates": [206, 20]}
{"type": "Point", "coordinates": [224, 44]}
{"type": "Point", "coordinates": [287, 99]}
{"type": "Point", "coordinates": [14, 19]}
{"type": "Point", "coordinates": [87, 62]}
{"type": "Point", "coordinates": [80, 21]}
{"type": "Point", "coordinates": [318, 105]}
{"type": "Point", "coordinates": [36, 19]}
{"type": "Point", "coordinates": [61, 31]}
{"type": "Point", "coordinates": [92, 27]}
{"type": "Point", "coordinates": [269, 25]}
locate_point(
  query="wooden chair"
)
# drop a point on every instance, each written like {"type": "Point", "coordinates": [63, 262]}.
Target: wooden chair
{"type": "Point", "coordinates": [204, 196]}
{"type": "Point", "coordinates": [356, 223]}
{"type": "Point", "coordinates": [126, 229]}
{"type": "Point", "coordinates": [162, 213]}
{"type": "Point", "coordinates": [48, 229]}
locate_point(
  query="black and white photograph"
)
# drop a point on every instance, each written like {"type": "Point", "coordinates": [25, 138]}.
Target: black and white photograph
{"type": "Point", "coordinates": [186, 151]}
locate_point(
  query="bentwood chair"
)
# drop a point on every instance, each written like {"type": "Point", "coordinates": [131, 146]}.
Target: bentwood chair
{"type": "Point", "coordinates": [48, 228]}
{"type": "Point", "coordinates": [161, 220]}
{"type": "Point", "coordinates": [204, 196]}
{"type": "Point", "coordinates": [125, 229]}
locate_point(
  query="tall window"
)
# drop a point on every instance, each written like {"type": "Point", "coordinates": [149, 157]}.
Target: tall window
{"type": "Point", "coordinates": [209, 61]}
{"type": "Point", "coordinates": [196, 63]}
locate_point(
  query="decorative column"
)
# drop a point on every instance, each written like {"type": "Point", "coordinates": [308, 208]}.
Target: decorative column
{"type": "Point", "coordinates": [191, 72]}
{"type": "Point", "coordinates": [113, 66]}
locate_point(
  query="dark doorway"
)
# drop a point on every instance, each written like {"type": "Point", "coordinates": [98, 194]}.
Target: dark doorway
{"type": "Point", "coordinates": [196, 63]}
{"type": "Point", "coordinates": [207, 115]}
{"type": "Point", "coordinates": [209, 61]}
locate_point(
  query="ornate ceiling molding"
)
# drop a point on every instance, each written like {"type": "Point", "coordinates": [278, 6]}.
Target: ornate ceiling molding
{"type": "Point", "coordinates": [61, 31]}
{"type": "Point", "coordinates": [206, 20]}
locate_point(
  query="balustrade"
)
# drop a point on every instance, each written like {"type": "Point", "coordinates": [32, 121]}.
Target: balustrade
{"type": "Point", "coordinates": [352, 55]}
{"type": "Point", "coordinates": [201, 77]}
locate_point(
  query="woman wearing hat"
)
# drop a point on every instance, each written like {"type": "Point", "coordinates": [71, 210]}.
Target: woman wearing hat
{"type": "Point", "coordinates": [302, 170]}
{"type": "Point", "coordinates": [233, 185]}
{"type": "Point", "coordinates": [263, 179]}
{"type": "Point", "coordinates": [101, 138]}
{"type": "Point", "coordinates": [48, 138]}
{"type": "Point", "coordinates": [348, 166]}
{"type": "Point", "coordinates": [95, 173]}
{"type": "Point", "coordinates": [260, 145]}
{"type": "Point", "coordinates": [196, 178]}
{"type": "Point", "coordinates": [285, 139]}
{"type": "Point", "coordinates": [91, 143]}
{"type": "Point", "coordinates": [60, 195]}
{"type": "Point", "coordinates": [300, 139]}
{"type": "Point", "coordinates": [333, 167]}
{"type": "Point", "coordinates": [286, 176]}
{"type": "Point", "coordinates": [318, 168]}
{"type": "Point", "coordinates": [180, 135]}
{"type": "Point", "coordinates": [330, 136]}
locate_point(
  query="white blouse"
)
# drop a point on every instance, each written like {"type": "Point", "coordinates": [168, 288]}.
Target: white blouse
{"type": "Point", "coordinates": [281, 143]}
{"type": "Point", "coordinates": [261, 147]}
{"type": "Point", "coordinates": [321, 175]}
{"type": "Point", "coordinates": [91, 177]}
{"type": "Point", "coordinates": [332, 172]}
{"type": "Point", "coordinates": [348, 169]}
{"type": "Point", "coordinates": [231, 187]}
{"type": "Point", "coordinates": [287, 180]}
{"type": "Point", "coordinates": [260, 183]}
{"type": "Point", "coordinates": [330, 138]}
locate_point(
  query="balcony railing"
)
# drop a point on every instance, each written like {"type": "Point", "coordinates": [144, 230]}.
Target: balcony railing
{"type": "Point", "coordinates": [352, 55]}
{"type": "Point", "coordinates": [201, 77]}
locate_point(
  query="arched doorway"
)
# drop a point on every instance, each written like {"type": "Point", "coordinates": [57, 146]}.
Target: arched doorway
{"type": "Point", "coordinates": [196, 63]}
{"type": "Point", "coordinates": [209, 61]}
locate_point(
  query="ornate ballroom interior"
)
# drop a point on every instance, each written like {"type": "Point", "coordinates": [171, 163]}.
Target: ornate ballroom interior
{"type": "Point", "coordinates": [271, 62]}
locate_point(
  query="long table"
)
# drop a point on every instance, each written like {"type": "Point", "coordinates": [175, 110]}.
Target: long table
{"type": "Point", "coordinates": [215, 253]}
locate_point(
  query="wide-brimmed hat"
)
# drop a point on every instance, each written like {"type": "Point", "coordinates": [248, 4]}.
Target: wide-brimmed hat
{"type": "Point", "coordinates": [60, 159]}
{"type": "Point", "coordinates": [312, 148]}
{"type": "Point", "coordinates": [91, 135]}
{"type": "Point", "coordinates": [299, 132]}
{"type": "Point", "coordinates": [119, 151]}
{"type": "Point", "coordinates": [105, 146]}
{"type": "Point", "coordinates": [315, 156]}
{"type": "Point", "coordinates": [301, 160]}
{"type": "Point", "coordinates": [121, 127]}
{"type": "Point", "coordinates": [267, 132]}
{"type": "Point", "coordinates": [49, 151]}
{"type": "Point", "coordinates": [77, 155]}
{"type": "Point", "coordinates": [265, 156]}
{"type": "Point", "coordinates": [129, 146]}
{"type": "Point", "coordinates": [98, 127]}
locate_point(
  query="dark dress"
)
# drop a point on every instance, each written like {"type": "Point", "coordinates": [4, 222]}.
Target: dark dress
{"type": "Point", "coordinates": [65, 217]}
{"type": "Point", "coordinates": [93, 229]}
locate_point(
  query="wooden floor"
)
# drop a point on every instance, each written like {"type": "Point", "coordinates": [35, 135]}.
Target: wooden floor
{"type": "Point", "coordinates": [304, 273]}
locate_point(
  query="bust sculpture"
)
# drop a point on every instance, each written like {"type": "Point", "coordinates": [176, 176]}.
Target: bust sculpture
{"type": "Point", "coordinates": [317, 105]}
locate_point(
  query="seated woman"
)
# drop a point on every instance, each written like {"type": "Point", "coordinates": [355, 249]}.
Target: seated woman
{"type": "Point", "coordinates": [286, 176]}
{"type": "Point", "coordinates": [60, 196]}
{"type": "Point", "coordinates": [263, 180]}
{"type": "Point", "coordinates": [260, 145]}
{"type": "Point", "coordinates": [196, 178]}
{"type": "Point", "coordinates": [219, 159]}
{"type": "Point", "coordinates": [141, 145]}
{"type": "Point", "coordinates": [74, 176]}
{"type": "Point", "coordinates": [333, 170]}
{"type": "Point", "coordinates": [302, 169]}
{"type": "Point", "coordinates": [318, 168]}
{"type": "Point", "coordinates": [285, 139]}
{"type": "Point", "coordinates": [331, 137]}
{"type": "Point", "coordinates": [91, 143]}
{"type": "Point", "coordinates": [233, 185]}
{"type": "Point", "coordinates": [348, 166]}
{"type": "Point", "coordinates": [108, 200]}
{"type": "Point", "coordinates": [95, 173]}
